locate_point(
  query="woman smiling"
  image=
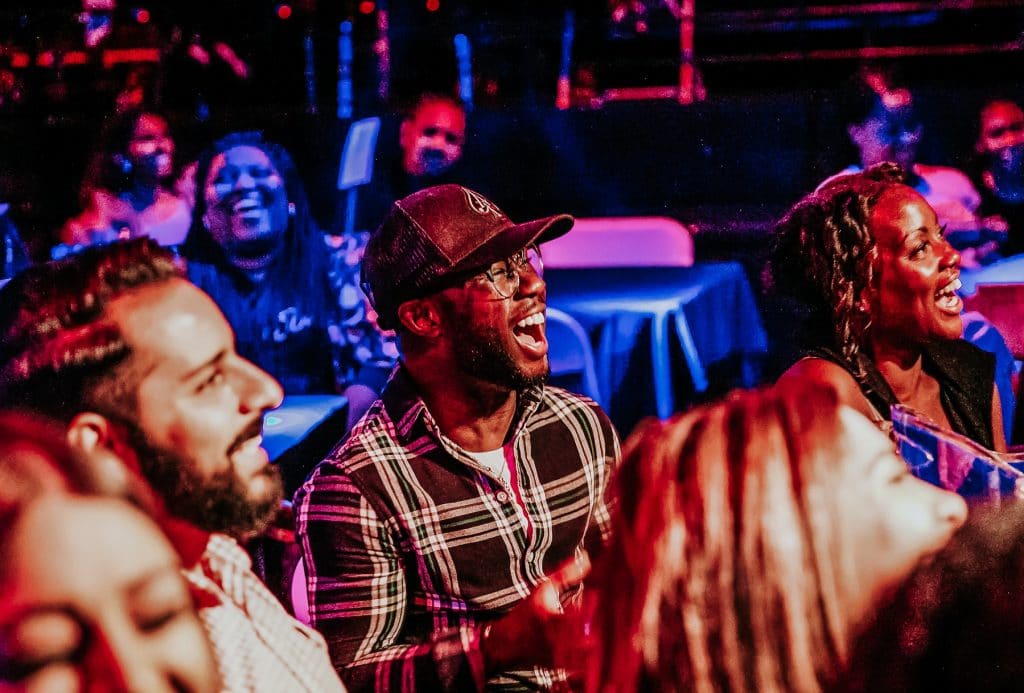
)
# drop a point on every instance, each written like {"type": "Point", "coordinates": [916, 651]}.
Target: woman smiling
{"type": "Point", "coordinates": [866, 257]}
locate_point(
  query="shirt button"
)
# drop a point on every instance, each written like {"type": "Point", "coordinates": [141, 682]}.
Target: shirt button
{"type": "Point", "coordinates": [501, 497]}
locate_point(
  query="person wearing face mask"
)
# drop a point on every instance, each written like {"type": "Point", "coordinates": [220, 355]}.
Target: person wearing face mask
{"type": "Point", "coordinates": [884, 125]}
{"type": "Point", "coordinates": [127, 190]}
{"type": "Point", "coordinates": [1000, 172]}
{"type": "Point", "coordinates": [430, 140]}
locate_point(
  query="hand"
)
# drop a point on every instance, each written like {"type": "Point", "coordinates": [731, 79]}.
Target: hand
{"type": "Point", "coordinates": [528, 634]}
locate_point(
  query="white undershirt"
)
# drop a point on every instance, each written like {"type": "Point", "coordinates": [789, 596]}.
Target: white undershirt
{"type": "Point", "coordinates": [494, 462]}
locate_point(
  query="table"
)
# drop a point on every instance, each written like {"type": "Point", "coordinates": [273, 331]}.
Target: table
{"type": "Point", "coordinates": [657, 329]}
{"type": "Point", "coordinates": [295, 418]}
{"type": "Point", "coordinates": [1009, 270]}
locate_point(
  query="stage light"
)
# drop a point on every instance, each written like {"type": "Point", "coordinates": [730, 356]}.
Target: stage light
{"type": "Point", "coordinates": [433, 5]}
{"type": "Point", "coordinates": [284, 11]}
{"type": "Point", "coordinates": [142, 15]}
{"type": "Point", "coordinates": [366, 7]}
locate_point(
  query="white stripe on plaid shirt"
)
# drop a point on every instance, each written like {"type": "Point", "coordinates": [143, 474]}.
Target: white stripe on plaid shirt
{"type": "Point", "coordinates": [410, 545]}
{"type": "Point", "coordinates": [258, 646]}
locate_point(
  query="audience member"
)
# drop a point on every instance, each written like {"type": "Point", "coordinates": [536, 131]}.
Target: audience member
{"type": "Point", "coordinates": [440, 535]}
{"type": "Point", "coordinates": [958, 622]}
{"type": "Point", "coordinates": [1000, 178]}
{"type": "Point", "coordinates": [866, 257]}
{"type": "Point", "coordinates": [430, 140]}
{"type": "Point", "coordinates": [883, 126]}
{"type": "Point", "coordinates": [750, 541]}
{"type": "Point", "coordinates": [127, 189]}
{"type": "Point", "coordinates": [255, 248]}
{"type": "Point", "coordinates": [139, 364]}
{"type": "Point", "coordinates": [94, 599]}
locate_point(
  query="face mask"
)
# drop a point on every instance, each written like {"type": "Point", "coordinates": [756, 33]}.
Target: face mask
{"type": "Point", "coordinates": [434, 160]}
{"type": "Point", "coordinates": [1010, 159]}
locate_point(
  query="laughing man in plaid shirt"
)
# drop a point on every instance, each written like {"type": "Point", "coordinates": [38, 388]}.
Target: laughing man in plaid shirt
{"type": "Point", "coordinates": [439, 537]}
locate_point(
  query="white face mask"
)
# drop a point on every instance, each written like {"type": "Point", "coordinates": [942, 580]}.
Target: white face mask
{"type": "Point", "coordinates": [435, 158]}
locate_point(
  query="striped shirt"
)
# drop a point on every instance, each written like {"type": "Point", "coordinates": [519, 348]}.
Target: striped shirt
{"type": "Point", "coordinates": [411, 545]}
{"type": "Point", "coordinates": [258, 646]}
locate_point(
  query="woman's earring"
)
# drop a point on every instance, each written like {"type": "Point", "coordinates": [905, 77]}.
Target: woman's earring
{"type": "Point", "coordinates": [291, 209]}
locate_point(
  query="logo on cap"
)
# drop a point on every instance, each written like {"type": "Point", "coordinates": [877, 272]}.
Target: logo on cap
{"type": "Point", "coordinates": [481, 205]}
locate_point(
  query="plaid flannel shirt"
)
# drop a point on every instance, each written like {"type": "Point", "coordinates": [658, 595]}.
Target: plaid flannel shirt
{"type": "Point", "coordinates": [258, 646]}
{"type": "Point", "coordinates": [410, 545]}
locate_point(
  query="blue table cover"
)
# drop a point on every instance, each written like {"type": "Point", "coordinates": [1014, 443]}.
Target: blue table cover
{"type": "Point", "coordinates": [298, 415]}
{"type": "Point", "coordinates": [656, 330]}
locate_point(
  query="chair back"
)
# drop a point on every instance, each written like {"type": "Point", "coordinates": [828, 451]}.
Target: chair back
{"type": "Point", "coordinates": [1003, 305]}
{"type": "Point", "coordinates": [621, 242]}
{"type": "Point", "coordinates": [298, 594]}
{"type": "Point", "coordinates": [570, 355]}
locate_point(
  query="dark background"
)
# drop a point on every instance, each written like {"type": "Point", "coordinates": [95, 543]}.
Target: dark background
{"type": "Point", "coordinates": [769, 129]}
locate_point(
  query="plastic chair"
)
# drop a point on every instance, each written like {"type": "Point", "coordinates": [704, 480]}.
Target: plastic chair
{"type": "Point", "coordinates": [297, 590]}
{"type": "Point", "coordinates": [570, 353]}
{"type": "Point", "coordinates": [621, 242]}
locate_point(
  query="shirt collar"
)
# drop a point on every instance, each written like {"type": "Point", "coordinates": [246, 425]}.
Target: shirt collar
{"type": "Point", "coordinates": [406, 407]}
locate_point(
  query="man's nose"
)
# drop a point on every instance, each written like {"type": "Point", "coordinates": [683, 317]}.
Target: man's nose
{"type": "Point", "coordinates": [259, 391]}
{"type": "Point", "coordinates": [531, 283]}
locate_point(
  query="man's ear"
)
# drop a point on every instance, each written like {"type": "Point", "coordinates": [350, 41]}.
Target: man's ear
{"type": "Point", "coordinates": [87, 432]}
{"type": "Point", "coordinates": [103, 444]}
{"type": "Point", "coordinates": [421, 317]}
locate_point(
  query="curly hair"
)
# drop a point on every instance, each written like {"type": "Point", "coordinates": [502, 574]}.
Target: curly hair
{"type": "Point", "coordinates": [59, 355]}
{"type": "Point", "coordinates": [822, 254]}
{"type": "Point", "coordinates": [725, 570]}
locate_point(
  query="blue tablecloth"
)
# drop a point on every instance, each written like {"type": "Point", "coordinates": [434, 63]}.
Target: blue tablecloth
{"type": "Point", "coordinates": [655, 331]}
{"type": "Point", "coordinates": [289, 424]}
{"type": "Point", "coordinates": [1006, 271]}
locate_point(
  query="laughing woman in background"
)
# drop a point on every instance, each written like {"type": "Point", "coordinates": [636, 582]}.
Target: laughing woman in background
{"type": "Point", "coordinates": [865, 256]}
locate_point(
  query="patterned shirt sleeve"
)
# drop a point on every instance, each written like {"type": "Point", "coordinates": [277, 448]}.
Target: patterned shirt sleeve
{"type": "Point", "coordinates": [602, 526]}
{"type": "Point", "coordinates": [362, 343]}
{"type": "Point", "coordinates": [358, 597]}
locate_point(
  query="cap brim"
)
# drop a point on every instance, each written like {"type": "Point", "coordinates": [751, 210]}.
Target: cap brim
{"type": "Point", "coordinates": [514, 239]}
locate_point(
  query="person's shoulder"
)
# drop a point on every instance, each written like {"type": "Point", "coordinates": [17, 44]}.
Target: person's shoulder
{"type": "Point", "coordinates": [961, 351]}
{"type": "Point", "coordinates": [203, 273]}
{"type": "Point", "coordinates": [822, 371]}
{"type": "Point", "coordinates": [564, 402]}
{"type": "Point", "coordinates": [947, 180]}
{"type": "Point", "coordinates": [372, 436]}
{"type": "Point", "coordinates": [929, 171]}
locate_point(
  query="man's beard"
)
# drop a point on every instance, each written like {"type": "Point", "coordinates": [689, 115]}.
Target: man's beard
{"type": "Point", "coordinates": [214, 503]}
{"type": "Point", "coordinates": [485, 357]}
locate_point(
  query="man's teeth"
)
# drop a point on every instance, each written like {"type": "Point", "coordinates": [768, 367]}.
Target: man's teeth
{"type": "Point", "coordinates": [535, 319]}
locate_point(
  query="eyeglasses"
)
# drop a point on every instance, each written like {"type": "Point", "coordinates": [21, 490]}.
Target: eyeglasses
{"type": "Point", "coordinates": [504, 274]}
